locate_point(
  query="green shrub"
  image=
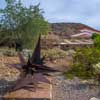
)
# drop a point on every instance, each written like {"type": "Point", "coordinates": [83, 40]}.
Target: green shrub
{"type": "Point", "coordinates": [96, 38]}
{"type": "Point", "coordinates": [83, 63]}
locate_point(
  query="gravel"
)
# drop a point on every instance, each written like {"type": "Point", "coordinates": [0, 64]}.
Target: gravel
{"type": "Point", "coordinates": [65, 89]}
{"type": "Point", "coordinates": [8, 74]}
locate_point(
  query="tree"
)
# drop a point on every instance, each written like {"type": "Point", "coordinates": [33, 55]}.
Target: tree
{"type": "Point", "coordinates": [21, 23]}
{"type": "Point", "coordinates": [24, 26]}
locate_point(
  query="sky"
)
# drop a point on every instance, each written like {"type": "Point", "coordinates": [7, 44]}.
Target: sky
{"type": "Point", "coordinates": [76, 11]}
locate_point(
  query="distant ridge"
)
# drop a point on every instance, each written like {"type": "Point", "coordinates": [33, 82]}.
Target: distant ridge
{"type": "Point", "coordinates": [67, 29]}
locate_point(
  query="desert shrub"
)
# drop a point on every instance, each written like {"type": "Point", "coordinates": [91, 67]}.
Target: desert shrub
{"type": "Point", "coordinates": [54, 53]}
{"type": "Point", "coordinates": [97, 71]}
{"type": "Point", "coordinates": [27, 53]}
{"type": "Point", "coordinates": [7, 52]}
{"type": "Point", "coordinates": [96, 38]}
{"type": "Point", "coordinates": [83, 63]}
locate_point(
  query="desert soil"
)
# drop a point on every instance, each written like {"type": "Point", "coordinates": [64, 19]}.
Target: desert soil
{"type": "Point", "coordinates": [8, 73]}
{"type": "Point", "coordinates": [63, 89]}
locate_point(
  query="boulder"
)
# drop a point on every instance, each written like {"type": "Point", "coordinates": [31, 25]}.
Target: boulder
{"type": "Point", "coordinates": [93, 98]}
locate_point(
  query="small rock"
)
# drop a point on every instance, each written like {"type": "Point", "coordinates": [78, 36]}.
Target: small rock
{"type": "Point", "coordinates": [94, 98]}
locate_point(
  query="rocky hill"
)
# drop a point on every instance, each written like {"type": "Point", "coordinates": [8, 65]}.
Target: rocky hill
{"type": "Point", "coordinates": [61, 32]}
{"type": "Point", "coordinates": [66, 29]}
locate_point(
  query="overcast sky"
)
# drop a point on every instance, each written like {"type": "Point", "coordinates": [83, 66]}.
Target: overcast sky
{"type": "Point", "coordinates": [79, 11]}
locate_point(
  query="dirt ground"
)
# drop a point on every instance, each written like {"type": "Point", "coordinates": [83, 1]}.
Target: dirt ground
{"type": "Point", "coordinates": [9, 73]}
{"type": "Point", "coordinates": [60, 64]}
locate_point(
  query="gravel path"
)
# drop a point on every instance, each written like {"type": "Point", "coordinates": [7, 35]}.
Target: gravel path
{"type": "Point", "coordinates": [64, 89]}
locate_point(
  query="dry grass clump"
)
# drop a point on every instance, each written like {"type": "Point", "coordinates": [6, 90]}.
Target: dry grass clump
{"type": "Point", "coordinates": [53, 54]}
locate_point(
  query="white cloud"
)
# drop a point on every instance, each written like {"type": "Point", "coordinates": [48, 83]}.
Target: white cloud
{"type": "Point", "coordinates": [81, 11]}
{"type": "Point", "coordinates": [73, 11]}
